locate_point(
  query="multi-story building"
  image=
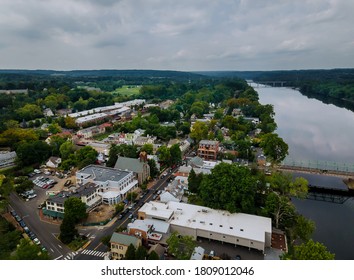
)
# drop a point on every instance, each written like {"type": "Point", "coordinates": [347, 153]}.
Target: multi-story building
{"type": "Point", "coordinates": [114, 184]}
{"type": "Point", "coordinates": [120, 243]}
{"type": "Point", "coordinates": [88, 193]}
{"type": "Point", "coordinates": [208, 149]}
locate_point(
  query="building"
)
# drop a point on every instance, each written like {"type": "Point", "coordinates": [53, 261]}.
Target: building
{"type": "Point", "coordinates": [91, 131]}
{"type": "Point", "coordinates": [7, 159]}
{"type": "Point", "coordinates": [208, 149]}
{"type": "Point", "coordinates": [53, 162]}
{"type": "Point", "coordinates": [48, 112]}
{"type": "Point", "coordinates": [139, 166]}
{"type": "Point", "coordinates": [114, 184]}
{"type": "Point", "coordinates": [88, 193]}
{"type": "Point", "coordinates": [240, 229]}
{"type": "Point", "coordinates": [120, 243]}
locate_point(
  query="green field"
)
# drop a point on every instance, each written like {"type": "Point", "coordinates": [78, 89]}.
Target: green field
{"type": "Point", "coordinates": [128, 90]}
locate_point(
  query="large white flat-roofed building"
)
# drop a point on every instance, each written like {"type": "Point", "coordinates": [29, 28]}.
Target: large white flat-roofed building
{"type": "Point", "coordinates": [197, 221]}
{"type": "Point", "coordinates": [114, 184]}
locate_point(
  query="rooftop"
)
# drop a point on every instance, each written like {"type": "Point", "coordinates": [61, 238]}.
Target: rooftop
{"type": "Point", "coordinates": [124, 239]}
{"type": "Point", "coordinates": [102, 174]}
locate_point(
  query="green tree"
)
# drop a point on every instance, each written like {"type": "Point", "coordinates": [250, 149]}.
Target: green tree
{"type": "Point", "coordinates": [194, 181]}
{"type": "Point", "coordinates": [130, 254]}
{"type": "Point", "coordinates": [33, 152]}
{"type": "Point", "coordinates": [149, 148]}
{"type": "Point", "coordinates": [153, 168]}
{"type": "Point", "coordinates": [180, 246]}
{"type": "Point", "coordinates": [141, 253]}
{"type": "Point", "coordinates": [68, 231]}
{"type": "Point", "coordinates": [54, 128]}
{"type": "Point", "coordinates": [229, 187]}
{"type": "Point", "coordinates": [310, 250]}
{"type": "Point", "coordinates": [66, 149]}
{"type": "Point", "coordinates": [274, 147]}
{"type": "Point", "coordinates": [175, 154]}
{"type": "Point", "coordinates": [164, 154]}
{"type": "Point", "coordinates": [153, 256]}
{"type": "Point", "coordinates": [75, 209]}
{"type": "Point", "coordinates": [29, 251]}
{"type": "Point", "coordinates": [302, 229]}
{"type": "Point", "coordinates": [280, 209]}
{"type": "Point", "coordinates": [199, 131]}
{"type": "Point", "coordinates": [29, 112]}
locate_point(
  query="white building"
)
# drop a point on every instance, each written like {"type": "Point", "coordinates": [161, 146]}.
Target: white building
{"type": "Point", "coordinates": [7, 159]}
{"type": "Point", "coordinates": [197, 221]}
{"type": "Point", "coordinates": [114, 184]}
{"type": "Point", "coordinates": [88, 193]}
{"type": "Point", "coordinates": [53, 162]}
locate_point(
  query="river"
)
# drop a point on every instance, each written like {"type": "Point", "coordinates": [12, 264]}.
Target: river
{"type": "Point", "coordinates": [318, 135]}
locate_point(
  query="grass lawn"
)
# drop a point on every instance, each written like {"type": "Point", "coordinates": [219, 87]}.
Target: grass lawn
{"type": "Point", "coordinates": [128, 90]}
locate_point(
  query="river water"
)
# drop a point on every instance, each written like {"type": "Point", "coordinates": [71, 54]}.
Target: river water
{"type": "Point", "coordinates": [318, 135]}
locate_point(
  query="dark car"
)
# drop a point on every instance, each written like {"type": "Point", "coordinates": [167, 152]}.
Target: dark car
{"type": "Point", "coordinates": [238, 257]}
{"type": "Point", "coordinates": [22, 223]}
{"type": "Point", "coordinates": [13, 213]}
{"type": "Point", "coordinates": [67, 183]}
{"type": "Point", "coordinates": [120, 216]}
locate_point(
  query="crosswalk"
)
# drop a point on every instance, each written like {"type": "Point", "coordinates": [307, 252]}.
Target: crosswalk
{"type": "Point", "coordinates": [93, 253]}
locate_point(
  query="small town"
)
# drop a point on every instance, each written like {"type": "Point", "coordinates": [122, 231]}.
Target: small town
{"type": "Point", "coordinates": [153, 178]}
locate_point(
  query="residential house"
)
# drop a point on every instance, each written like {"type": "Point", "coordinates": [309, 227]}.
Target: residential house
{"type": "Point", "coordinates": [139, 166]}
{"type": "Point", "coordinates": [53, 162]}
{"type": "Point", "coordinates": [120, 243]}
{"type": "Point", "coordinates": [48, 112]}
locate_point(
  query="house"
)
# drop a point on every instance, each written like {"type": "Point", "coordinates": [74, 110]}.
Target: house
{"type": "Point", "coordinates": [149, 230]}
{"type": "Point", "coordinates": [114, 184]}
{"type": "Point", "coordinates": [139, 166]}
{"type": "Point", "coordinates": [174, 190]}
{"type": "Point", "coordinates": [239, 229]}
{"type": "Point", "coordinates": [53, 162]}
{"type": "Point", "coordinates": [7, 158]}
{"type": "Point", "coordinates": [91, 131]}
{"type": "Point", "coordinates": [120, 243]}
{"type": "Point", "coordinates": [48, 112]}
{"type": "Point", "coordinates": [208, 149]}
{"type": "Point", "coordinates": [88, 193]}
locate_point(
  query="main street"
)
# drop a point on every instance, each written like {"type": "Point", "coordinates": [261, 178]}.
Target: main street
{"type": "Point", "coordinates": [91, 252]}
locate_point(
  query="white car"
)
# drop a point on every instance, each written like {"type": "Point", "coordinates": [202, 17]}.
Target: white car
{"type": "Point", "coordinates": [32, 196]}
{"type": "Point", "coordinates": [36, 241]}
{"type": "Point", "coordinates": [37, 171]}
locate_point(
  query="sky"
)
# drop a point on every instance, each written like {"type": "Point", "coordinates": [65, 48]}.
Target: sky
{"type": "Point", "coordinates": [185, 35]}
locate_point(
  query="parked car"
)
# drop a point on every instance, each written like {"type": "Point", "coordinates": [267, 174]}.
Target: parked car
{"type": "Point", "coordinates": [67, 183]}
{"type": "Point", "coordinates": [32, 196]}
{"type": "Point", "coordinates": [37, 171]}
{"type": "Point", "coordinates": [238, 257]}
{"type": "Point", "coordinates": [120, 216]}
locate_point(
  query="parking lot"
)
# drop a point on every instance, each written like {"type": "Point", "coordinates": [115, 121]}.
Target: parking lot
{"type": "Point", "coordinates": [225, 249]}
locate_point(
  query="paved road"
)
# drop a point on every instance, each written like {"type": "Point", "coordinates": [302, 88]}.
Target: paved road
{"type": "Point", "coordinates": [47, 233]}
{"type": "Point", "coordinates": [96, 244]}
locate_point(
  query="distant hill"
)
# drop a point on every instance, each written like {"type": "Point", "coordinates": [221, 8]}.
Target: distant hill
{"type": "Point", "coordinates": [157, 74]}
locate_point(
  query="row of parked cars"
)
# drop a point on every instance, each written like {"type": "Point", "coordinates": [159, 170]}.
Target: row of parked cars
{"type": "Point", "coordinates": [44, 182]}
{"type": "Point", "coordinates": [25, 228]}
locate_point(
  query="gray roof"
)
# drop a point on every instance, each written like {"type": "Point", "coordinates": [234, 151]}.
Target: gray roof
{"type": "Point", "coordinates": [208, 142]}
{"type": "Point", "coordinates": [85, 190]}
{"type": "Point", "coordinates": [131, 164]}
{"type": "Point", "coordinates": [7, 155]}
{"type": "Point", "coordinates": [104, 174]}
{"type": "Point", "coordinates": [124, 239]}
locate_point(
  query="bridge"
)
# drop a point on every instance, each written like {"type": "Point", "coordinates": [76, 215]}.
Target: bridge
{"type": "Point", "coordinates": [266, 83]}
{"type": "Point", "coordinates": [318, 166]}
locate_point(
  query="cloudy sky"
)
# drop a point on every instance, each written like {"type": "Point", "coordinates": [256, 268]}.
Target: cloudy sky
{"type": "Point", "coordinates": [176, 34]}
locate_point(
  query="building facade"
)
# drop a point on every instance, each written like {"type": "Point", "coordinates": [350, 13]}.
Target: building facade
{"type": "Point", "coordinates": [208, 149]}
{"type": "Point", "coordinates": [114, 184]}
{"type": "Point", "coordinates": [120, 243]}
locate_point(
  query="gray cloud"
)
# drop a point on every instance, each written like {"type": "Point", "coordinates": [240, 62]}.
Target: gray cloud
{"type": "Point", "coordinates": [181, 35]}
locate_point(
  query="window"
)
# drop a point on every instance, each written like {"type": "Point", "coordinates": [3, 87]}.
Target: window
{"type": "Point", "coordinates": [241, 229]}
{"type": "Point", "coordinates": [231, 228]}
